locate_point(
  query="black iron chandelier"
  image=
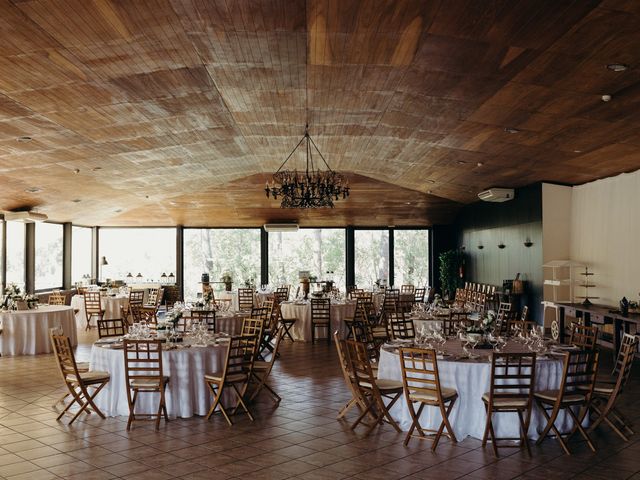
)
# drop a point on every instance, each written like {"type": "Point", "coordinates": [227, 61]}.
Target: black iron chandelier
{"type": "Point", "coordinates": [311, 188]}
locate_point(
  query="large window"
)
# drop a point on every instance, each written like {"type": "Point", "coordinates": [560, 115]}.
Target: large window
{"type": "Point", "coordinates": [321, 252]}
{"type": "Point", "coordinates": [15, 253]}
{"type": "Point", "coordinates": [80, 254]}
{"type": "Point", "coordinates": [371, 257]}
{"type": "Point", "coordinates": [149, 252]}
{"type": "Point", "coordinates": [48, 255]}
{"type": "Point", "coordinates": [219, 251]}
{"type": "Point", "coordinates": [411, 257]}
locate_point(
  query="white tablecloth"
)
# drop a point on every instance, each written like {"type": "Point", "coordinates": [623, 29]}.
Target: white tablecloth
{"type": "Point", "coordinates": [232, 296]}
{"type": "Point", "coordinates": [111, 307]}
{"type": "Point", "coordinates": [186, 395]}
{"type": "Point", "coordinates": [302, 328]}
{"type": "Point", "coordinates": [471, 380]}
{"type": "Point", "coordinates": [229, 322]}
{"type": "Point", "coordinates": [26, 332]}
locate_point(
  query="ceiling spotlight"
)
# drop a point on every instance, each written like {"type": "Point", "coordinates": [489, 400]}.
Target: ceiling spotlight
{"type": "Point", "coordinates": [76, 200]}
{"type": "Point", "coordinates": [511, 130]}
{"type": "Point", "coordinates": [24, 139]}
{"type": "Point", "coordinates": [606, 98]}
{"type": "Point", "coordinates": [479, 164]}
{"type": "Point", "coordinates": [617, 67]}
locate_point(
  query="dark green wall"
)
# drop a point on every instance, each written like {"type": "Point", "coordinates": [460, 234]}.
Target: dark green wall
{"type": "Point", "coordinates": [510, 223]}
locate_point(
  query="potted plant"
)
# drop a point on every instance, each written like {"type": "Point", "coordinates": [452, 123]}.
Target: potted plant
{"type": "Point", "coordinates": [450, 262]}
{"type": "Point", "coordinates": [227, 280]}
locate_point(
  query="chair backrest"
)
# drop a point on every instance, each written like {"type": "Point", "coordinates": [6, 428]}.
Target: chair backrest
{"type": "Point", "coordinates": [92, 303]}
{"type": "Point", "coordinates": [320, 310]}
{"type": "Point", "coordinates": [142, 364]}
{"type": "Point", "coordinates": [241, 353]}
{"type": "Point", "coordinates": [362, 332]}
{"type": "Point", "coordinates": [206, 316]}
{"type": "Point", "coordinates": [525, 313]}
{"type": "Point", "coordinates": [245, 298]}
{"type": "Point", "coordinates": [252, 326]}
{"type": "Point", "coordinates": [407, 289]}
{"type": "Point", "coordinates": [579, 372]}
{"type": "Point", "coordinates": [360, 366]}
{"type": "Point", "coordinates": [57, 298]}
{"type": "Point", "coordinates": [404, 306]}
{"type": "Point", "coordinates": [281, 294]}
{"type": "Point", "coordinates": [111, 328]}
{"type": "Point", "coordinates": [512, 377]}
{"type": "Point", "coordinates": [65, 358]}
{"type": "Point", "coordinates": [136, 297]}
{"type": "Point", "coordinates": [400, 326]}
{"type": "Point", "coordinates": [583, 336]}
{"type": "Point", "coordinates": [418, 295]}
{"type": "Point", "coordinates": [504, 307]}
{"type": "Point", "coordinates": [628, 342]}
{"type": "Point", "coordinates": [270, 321]}
{"type": "Point", "coordinates": [420, 375]}
{"type": "Point", "coordinates": [153, 297]}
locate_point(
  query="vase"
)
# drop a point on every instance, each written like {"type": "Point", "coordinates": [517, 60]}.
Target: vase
{"type": "Point", "coordinates": [228, 286]}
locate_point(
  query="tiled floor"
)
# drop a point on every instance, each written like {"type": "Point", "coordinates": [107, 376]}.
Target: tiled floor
{"type": "Point", "coordinates": [299, 439]}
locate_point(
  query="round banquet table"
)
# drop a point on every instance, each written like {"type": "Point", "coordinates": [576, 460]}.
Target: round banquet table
{"type": "Point", "coordinates": [230, 322]}
{"type": "Point", "coordinates": [186, 395]}
{"type": "Point", "coordinates": [301, 330]}
{"type": "Point", "coordinates": [471, 379]}
{"type": "Point", "coordinates": [231, 296]}
{"type": "Point", "coordinates": [26, 332]}
{"type": "Point", "coordinates": [111, 306]}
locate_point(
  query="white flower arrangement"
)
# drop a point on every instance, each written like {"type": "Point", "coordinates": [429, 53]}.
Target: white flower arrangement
{"type": "Point", "coordinates": [171, 318]}
{"type": "Point", "coordinates": [12, 290]}
{"type": "Point", "coordinates": [485, 324]}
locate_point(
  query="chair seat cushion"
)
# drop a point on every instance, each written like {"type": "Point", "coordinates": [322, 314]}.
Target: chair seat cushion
{"type": "Point", "coordinates": [89, 378]}
{"type": "Point", "coordinates": [429, 397]}
{"type": "Point", "coordinates": [502, 402]}
{"type": "Point", "coordinates": [82, 366]}
{"type": "Point", "coordinates": [550, 396]}
{"type": "Point", "coordinates": [384, 385]}
{"type": "Point", "coordinates": [148, 383]}
{"type": "Point", "coordinates": [260, 365]}
{"type": "Point", "coordinates": [233, 378]}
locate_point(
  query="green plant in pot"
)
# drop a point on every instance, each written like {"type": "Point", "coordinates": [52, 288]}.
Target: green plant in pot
{"type": "Point", "coordinates": [450, 262]}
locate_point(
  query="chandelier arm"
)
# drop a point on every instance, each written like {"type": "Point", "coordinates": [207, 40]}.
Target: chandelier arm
{"type": "Point", "coordinates": [320, 153]}
{"type": "Point", "coordinates": [292, 152]}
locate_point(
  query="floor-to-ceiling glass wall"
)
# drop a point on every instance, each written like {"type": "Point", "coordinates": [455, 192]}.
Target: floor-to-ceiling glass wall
{"type": "Point", "coordinates": [49, 248]}
{"type": "Point", "coordinates": [319, 251]}
{"type": "Point", "coordinates": [371, 258]}
{"type": "Point", "coordinates": [80, 254]}
{"type": "Point", "coordinates": [15, 253]}
{"type": "Point", "coordinates": [220, 251]}
{"type": "Point", "coordinates": [411, 257]}
{"type": "Point", "coordinates": [146, 253]}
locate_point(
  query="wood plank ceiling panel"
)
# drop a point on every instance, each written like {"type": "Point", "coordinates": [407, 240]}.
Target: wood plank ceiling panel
{"type": "Point", "coordinates": [174, 111]}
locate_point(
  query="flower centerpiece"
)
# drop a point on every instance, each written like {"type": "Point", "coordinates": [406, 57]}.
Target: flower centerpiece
{"type": "Point", "coordinates": [438, 301]}
{"type": "Point", "coordinates": [227, 279]}
{"type": "Point", "coordinates": [171, 318]}
{"type": "Point", "coordinates": [12, 294]}
{"type": "Point", "coordinates": [483, 326]}
{"type": "Point", "coordinates": [207, 298]}
{"type": "Point", "coordinates": [32, 301]}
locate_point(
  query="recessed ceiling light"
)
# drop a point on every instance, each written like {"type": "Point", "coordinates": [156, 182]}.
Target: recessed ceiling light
{"type": "Point", "coordinates": [617, 67]}
{"type": "Point", "coordinates": [479, 164]}
{"type": "Point", "coordinates": [429, 191]}
{"type": "Point", "coordinates": [407, 203]}
{"type": "Point", "coordinates": [33, 190]}
{"type": "Point", "coordinates": [119, 210]}
{"type": "Point", "coordinates": [461, 162]}
{"type": "Point", "coordinates": [76, 200]}
{"type": "Point", "coordinates": [24, 139]}
{"type": "Point", "coordinates": [511, 130]}
{"type": "Point", "coordinates": [95, 169]}
{"type": "Point", "coordinates": [577, 151]}
{"type": "Point", "coordinates": [606, 98]}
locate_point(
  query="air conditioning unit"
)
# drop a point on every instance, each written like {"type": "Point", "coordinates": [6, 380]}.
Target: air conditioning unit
{"type": "Point", "coordinates": [25, 216]}
{"type": "Point", "coordinates": [497, 195]}
{"type": "Point", "coordinates": [281, 227]}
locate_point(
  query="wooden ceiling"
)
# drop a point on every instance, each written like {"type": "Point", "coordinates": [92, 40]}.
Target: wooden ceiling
{"type": "Point", "coordinates": [175, 111]}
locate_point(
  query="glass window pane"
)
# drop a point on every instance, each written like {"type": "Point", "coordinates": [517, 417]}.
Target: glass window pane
{"type": "Point", "coordinates": [371, 257]}
{"type": "Point", "coordinates": [220, 250]}
{"type": "Point", "coordinates": [320, 251]}
{"type": "Point", "coordinates": [147, 251]}
{"type": "Point", "coordinates": [411, 257]}
{"type": "Point", "coordinates": [15, 253]}
{"type": "Point", "coordinates": [80, 254]}
{"type": "Point", "coordinates": [48, 244]}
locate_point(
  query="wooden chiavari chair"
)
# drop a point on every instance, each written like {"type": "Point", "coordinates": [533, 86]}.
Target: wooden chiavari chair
{"type": "Point", "coordinates": [57, 298]}
{"type": "Point", "coordinates": [418, 295]}
{"type": "Point", "coordinates": [136, 298]}
{"type": "Point", "coordinates": [356, 399]}
{"type": "Point", "coordinates": [205, 316]}
{"type": "Point", "coordinates": [421, 384]}
{"type": "Point", "coordinates": [143, 374]}
{"type": "Point", "coordinates": [400, 327]}
{"type": "Point", "coordinates": [245, 299]}
{"type": "Point", "coordinates": [78, 381]}
{"type": "Point", "coordinates": [350, 289]}
{"type": "Point", "coordinates": [320, 317]}
{"type": "Point", "coordinates": [391, 297]}
{"type": "Point", "coordinates": [362, 332]}
{"type": "Point", "coordinates": [407, 289]}
{"type": "Point", "coordinates": [576, 391]}
{"type": "Point", "coordinates": [510, 390]}
{"type": "Point", "coordinates": [111, 328]}
{"type": "Point", "coordinates": [583, 337]}
{"type": "Point", "coordinates": [605, 395]}
{"type": "Point", "coordinates": [92, 307]}
{"type": "Point", "coordinates": [270, 328]}
{"type": "Point", "coordinates": [281, 294]}
{"type": "Point", "coordinates": [262, 369]}
{"type": "Point", "coordinates": [372, 390]}
{"type": "Point", "coordinates": [235, 374]}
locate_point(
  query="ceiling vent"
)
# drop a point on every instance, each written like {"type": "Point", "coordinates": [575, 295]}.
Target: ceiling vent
{"type": "Point", "coordinates": [281, 227]}
{"type": "Point", "coordinates": [496, 195]}
{"type": "Point", "coordinates": [25, 216]}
